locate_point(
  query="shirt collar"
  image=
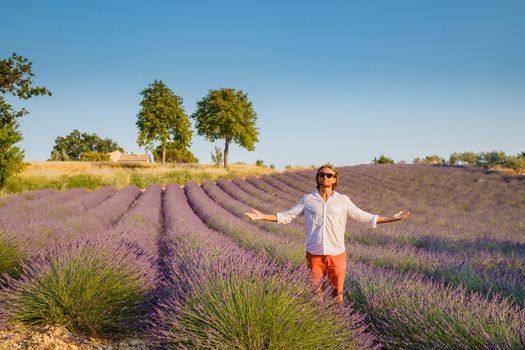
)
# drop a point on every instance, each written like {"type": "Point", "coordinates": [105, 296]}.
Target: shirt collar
{"type": "Point", "coordinates": [318, 195]}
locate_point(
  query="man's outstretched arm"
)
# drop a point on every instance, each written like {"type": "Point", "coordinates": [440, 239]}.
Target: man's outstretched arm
{"type": "Point", "coordinates": [402, 215]}
{"type": "Point", "coordinates": [257, 215]}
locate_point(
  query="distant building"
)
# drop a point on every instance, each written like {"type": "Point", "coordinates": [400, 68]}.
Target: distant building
{"type": "Point", "coordinates": [119, 157]}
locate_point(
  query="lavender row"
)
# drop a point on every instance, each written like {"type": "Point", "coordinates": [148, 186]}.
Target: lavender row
{"type": "Point", "coordinates": [260, 194]}
{"type": "Point", "coordinates": [25, 196]}
{"type": "Point", "coordinates": [26, 211]}
{"type": "Point", "coordinates": [259, 203]}
{"type": "Point", "coordinates": [232, 189]}
{"type": "Point", "coordinates": [280, 247]}
{"type": "Point", "coordinates": [295, 182]}
{"type": "Point", "coordinates": [270, 190]}
{"type": "Point", "coordinates": [143, 222]}
{"type": "Point", "coordinates": [281, 186]}
{"type": "Point", "coordinates": [239, 209]}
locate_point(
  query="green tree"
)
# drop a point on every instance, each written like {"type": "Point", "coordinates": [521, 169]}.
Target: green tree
{"type": "Point", "coordinates": [162, 119]}
{"type": "Point", "coordinates": [74, 145]}
{"type": "Point", "coordinates": [490, 159]}
{"type": "Point", "coordinates": [383, 160]}
{"type": "Point", "coordinates": [174, 154]}
{"type": "Point", "coordinates": [16, 79]}
{"type": "Point", "coordinates": [227, 114]}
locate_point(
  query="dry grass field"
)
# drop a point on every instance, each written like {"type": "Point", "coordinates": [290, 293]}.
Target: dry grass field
{"type": "Point", "coordinates": [92, 175]}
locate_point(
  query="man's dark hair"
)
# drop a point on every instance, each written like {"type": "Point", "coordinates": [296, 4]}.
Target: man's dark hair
{"type": "Point", "coordinates": [326, 166]}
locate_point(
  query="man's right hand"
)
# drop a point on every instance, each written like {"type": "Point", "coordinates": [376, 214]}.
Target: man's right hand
{"type": "Point", "coordinates": [254, 214]}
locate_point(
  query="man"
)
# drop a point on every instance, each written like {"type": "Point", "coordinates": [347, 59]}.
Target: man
{"type": "Point", "coordinates": [326, 212]}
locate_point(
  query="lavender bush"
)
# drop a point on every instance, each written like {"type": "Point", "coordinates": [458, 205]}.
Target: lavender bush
{"type": "Point", "coordinates": [90, 286]}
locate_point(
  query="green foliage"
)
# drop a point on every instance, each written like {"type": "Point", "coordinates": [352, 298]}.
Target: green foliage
{"type": "Point", "coordinates": [259, 162]}
{"type": "Point", "coordinates": [74, 145]}
{"type": "Point", "coordinates": [227, 114]}
{"type": "Point", "coordinates": [516, 163]}
{"type": "Point", "coordinates": [10, 258]}
{"type": "Point", "coordinates": [174, 153]}
{"type": "Point", "coordinates": [94, 157]}
{"type": "Point", "coordinates": [217, 156]}
{"type": "Point", "coordinates": [433, 159]}
{"type": "Point", "coordinates": [11, 157]}
{"type": "Point", "coordinates": [489, 159]}
{"type": "Point", "coordinates": [17, 184]}
{"type": "Point", "coordinates": [162, 118]}
{"type": "Point", "coordinates": [16, 79]}
{"type": "Point", "coordinates": [468, 158]}
{"type": "Point", "coordinates": [383, 160]}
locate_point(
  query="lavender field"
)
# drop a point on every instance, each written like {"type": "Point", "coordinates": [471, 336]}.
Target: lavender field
{"type": "Point", "coordinates": [185, 268]}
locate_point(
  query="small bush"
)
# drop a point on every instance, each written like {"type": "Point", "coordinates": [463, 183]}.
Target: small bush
{"type": "Point", "coordinates": [94, 157]}
{"type": "Point", "coordinates": [217, 156]}
{"type": "Point", "coordinates": [82, 181]}
{"type": "Point", "coordinates": [383, 160]}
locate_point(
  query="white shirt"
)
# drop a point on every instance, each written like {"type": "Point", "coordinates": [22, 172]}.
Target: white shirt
{"type": "Point", "coordinates": [326, 221]}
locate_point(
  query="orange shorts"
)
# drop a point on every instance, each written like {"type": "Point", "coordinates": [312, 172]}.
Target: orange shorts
{"type": "Point", "coordinates": [335, 265]}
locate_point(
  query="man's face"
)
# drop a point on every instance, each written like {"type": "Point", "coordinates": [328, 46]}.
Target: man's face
{"type": "Point", "coordinates": [326, 178]}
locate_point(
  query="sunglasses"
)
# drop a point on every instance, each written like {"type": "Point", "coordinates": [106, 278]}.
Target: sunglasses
{"type": "Point", "coordinates": [328, 175]}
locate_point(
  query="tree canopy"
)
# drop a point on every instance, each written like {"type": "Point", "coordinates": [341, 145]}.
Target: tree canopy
{"type": "Point", "coordinates": [16, 79]}
{"type": "Point", "coordinates": [76, 144]}
{"type": "Point", "coordinates": [383, 160]}
{"type": "Point", "coordinates": [433, 159]}
{"type": "Point", "coordinates": [162, 119]}
{"type": "Point", "coordinates": [227, 114]}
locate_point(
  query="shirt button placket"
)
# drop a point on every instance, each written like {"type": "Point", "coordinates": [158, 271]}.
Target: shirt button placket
{"type": "Point", "coordinates": [324, 226]}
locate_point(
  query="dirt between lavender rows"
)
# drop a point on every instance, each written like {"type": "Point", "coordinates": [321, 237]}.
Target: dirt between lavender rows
{"type": "Point", "coordinates": [59, 338]}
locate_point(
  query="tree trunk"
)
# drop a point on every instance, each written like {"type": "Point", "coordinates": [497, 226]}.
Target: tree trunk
{"type": "Point", "coordinates": [163, 153]}
{"type": "Point", "coordinates": [226, 153]}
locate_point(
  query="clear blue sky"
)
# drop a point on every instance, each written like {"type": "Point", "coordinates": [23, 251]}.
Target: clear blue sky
{"type": "Point", "coordinates": [338, 81]}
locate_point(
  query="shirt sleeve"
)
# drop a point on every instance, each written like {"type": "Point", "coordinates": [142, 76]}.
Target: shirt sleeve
{"type": "Point", "coordinates": [286, 217]}
{"type": "Point", "coordinates": [360, 215]}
